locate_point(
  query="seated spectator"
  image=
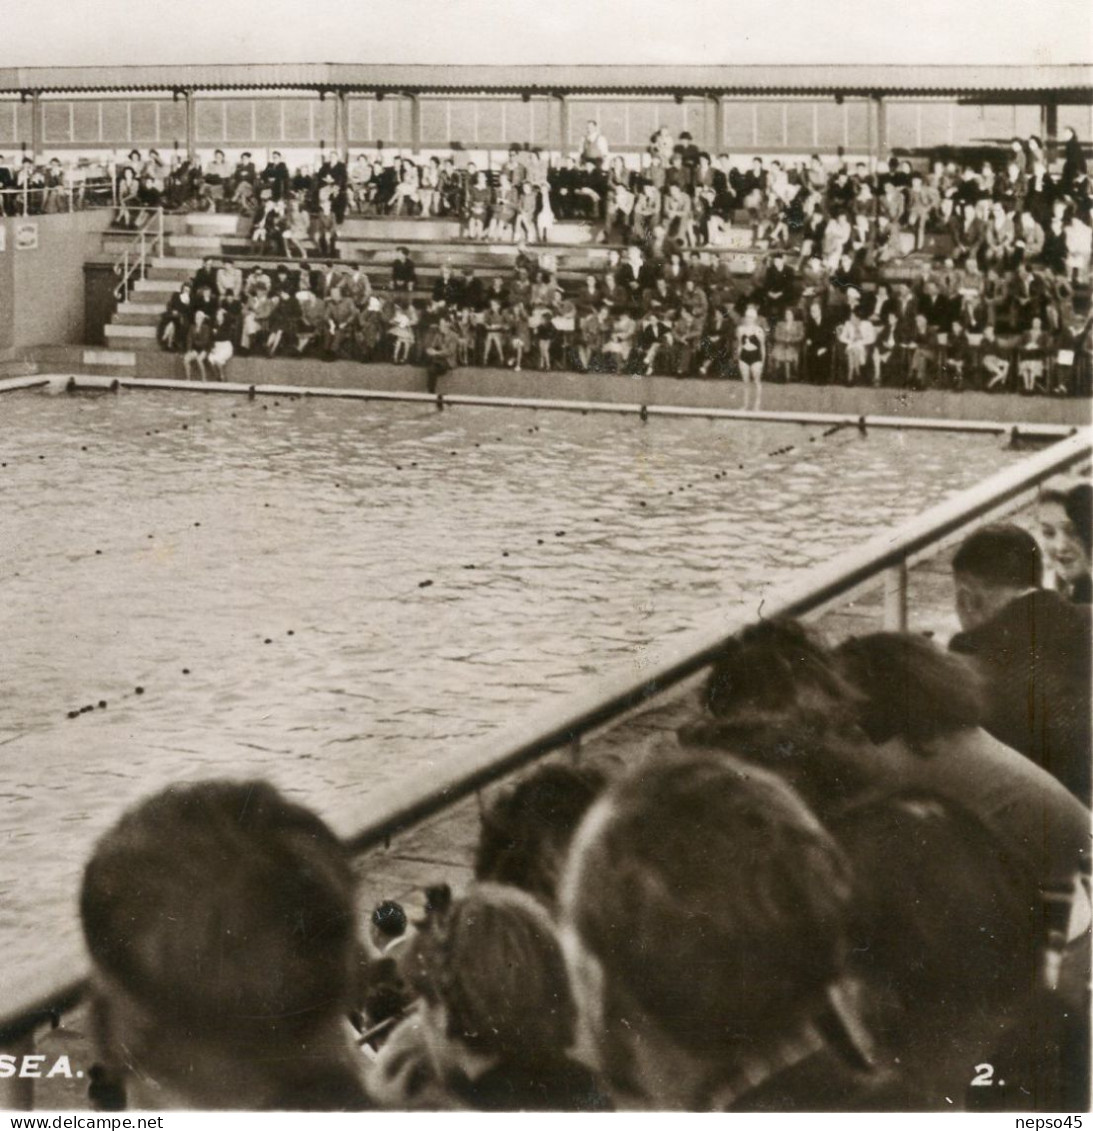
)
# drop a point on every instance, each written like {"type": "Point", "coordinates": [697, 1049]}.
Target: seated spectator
{"type": "Point", "coordinates": [297, 227]}
{"type": "Point", "coordinates": [220, 922]}
{"type": "Point", "coordinates": [217, 175]}
{"type": "Point", "coordinates": [1065, 521]}
{"type": "Point", "coordinates": [789, 336]}
{"type": "Point", "coordinates": [1032, 648]}
{"type": "Point", "coordinates": [924, 709]}
{"type": "Point", "coordinates": [403, 273]}
{"type": "Point", "coordinates": [199, 340]}
{"type": "Point", "coordinates": [496, 1015]}
{"type": "Point", "coordinates": [525, 833]}
{"type": "Point", "coordinates": [323, 229]}
{"type": "Point", "coordinates": [1032, 350]}
{"type": "Point", "coordinates": [705, 915]}
{"type": "Point", "coordinates": [275, 177]}
{"type": "Point", "coordinates": [995, 361]}
{"type": "Point", "coordinates": [221, 350]}
{"type": "Point", "coordinates": [229, 279]}
{"type": "Point", "coordinates": [176, 319]}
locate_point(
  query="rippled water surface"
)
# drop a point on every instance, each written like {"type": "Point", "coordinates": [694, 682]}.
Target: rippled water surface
{"type": "Point", "coordinates": [260, 569]}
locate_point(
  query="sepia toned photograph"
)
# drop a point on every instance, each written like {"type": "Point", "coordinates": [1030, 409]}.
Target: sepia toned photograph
{"type": "Point", "coordinates": [545, 558]}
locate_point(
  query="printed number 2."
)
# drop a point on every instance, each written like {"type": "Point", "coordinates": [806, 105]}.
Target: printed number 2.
{"type": "Point", "coordinates": [984, 1075]}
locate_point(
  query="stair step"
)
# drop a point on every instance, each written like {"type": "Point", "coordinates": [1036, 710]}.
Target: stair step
{"type": "Point", "coordinates": [154, 286]}
{"type": "Point", "coordinates": [189, 264]}
{"type": "Point", "coordinates": [146, 315]}
{"type": "Point", "coordinates": [115, 330]}
{"type": "Point", "coordinates": [207, 223]}
{"type": "Point", "coordinates": [195, 243]}
{"type": "Point", "coordinates": [110, 357]}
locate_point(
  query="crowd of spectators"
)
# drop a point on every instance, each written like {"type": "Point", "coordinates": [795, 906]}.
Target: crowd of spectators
{"type": "Point", "coordinates": [856, 878]}
{"type": "Point", "coordinates": [31, 188]}
{"type": "Point", "coordinates": [999, 303]}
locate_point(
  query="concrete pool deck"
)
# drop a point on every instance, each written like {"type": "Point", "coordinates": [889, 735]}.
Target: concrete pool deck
{"type": "Point", "coordinates": [558, 385]}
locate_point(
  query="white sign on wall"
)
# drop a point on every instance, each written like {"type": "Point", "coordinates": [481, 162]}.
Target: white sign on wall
{"type": "Point", "coordinates": [26, 235]}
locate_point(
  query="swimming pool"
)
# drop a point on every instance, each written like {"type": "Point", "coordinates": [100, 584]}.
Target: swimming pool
{"type": "Point", "coordinates": [332, 593]}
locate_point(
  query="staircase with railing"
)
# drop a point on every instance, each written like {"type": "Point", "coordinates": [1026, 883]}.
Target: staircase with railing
{"type": "Point", "coordinates": [146, 244]}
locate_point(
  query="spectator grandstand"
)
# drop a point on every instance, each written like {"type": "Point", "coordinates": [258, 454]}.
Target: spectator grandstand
{"type": "Point", "coordinates": [954, 276]}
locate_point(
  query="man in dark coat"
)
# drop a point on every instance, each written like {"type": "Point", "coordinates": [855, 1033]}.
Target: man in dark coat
{"type": "Point", "coordinates": [275, 176]}
{"type": "Point", "coordinates": [1033, 648]}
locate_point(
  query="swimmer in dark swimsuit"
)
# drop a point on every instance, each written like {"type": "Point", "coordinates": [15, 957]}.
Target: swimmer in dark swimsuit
{"type": "Point", "coordinates": [751, 354]}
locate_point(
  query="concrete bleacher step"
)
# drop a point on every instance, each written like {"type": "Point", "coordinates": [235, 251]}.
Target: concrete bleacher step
{"type": "Point", "coordinates": [138, 313]}
{"type": "Point", "coordinates": [155, 287]}
{"type": "Point", "coordinates": [120, 336]}
{"type": "Point", "coordinates": [474, 254]}
{"type": "Point", "coordinates": [217, 223]}
{"type": "Point", "coordinates": [199, 245]}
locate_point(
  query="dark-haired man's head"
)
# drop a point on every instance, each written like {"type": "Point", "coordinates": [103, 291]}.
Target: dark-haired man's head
{"type": "Point", "coordinates": [776, 697]}
{"type": "Point", "coordinates": [994, 566]}
{"type": "Point", "coordinates": [704, 914]}
{"type": "Point", "coordinates": [526, 832]}
{"type": "Point", "coordinates": [220, 921]}
{"type": "Point", "coordinates": [912, 688]}
{"type": "Point", "coordinates": [779, 675]}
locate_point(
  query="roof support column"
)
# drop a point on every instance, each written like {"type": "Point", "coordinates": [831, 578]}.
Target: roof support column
{"type": "Point", "coordinates": [341, 125]}
{"type": "Point", "coordinates": [563, 119]}
{"type": "Point", "coordinates": [718, 125]}
{"type": "Point", "coordinates": [191, 124]}
{"type": "Point", "coordinates": [415, 122]}
{"type": "Point", "coordinates": [879, 137]}
{"type": "Point", "coordinates": [35, 124]}
{"type": "Point", "coordinates": [1049, 125]}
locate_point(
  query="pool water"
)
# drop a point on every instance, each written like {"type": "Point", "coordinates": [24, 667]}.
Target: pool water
{"type": "Point", "coordinates": [331, 593]}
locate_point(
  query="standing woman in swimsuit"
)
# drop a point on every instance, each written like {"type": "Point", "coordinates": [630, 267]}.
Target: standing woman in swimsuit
{"type": "Point", "coordinates": [751, 354]}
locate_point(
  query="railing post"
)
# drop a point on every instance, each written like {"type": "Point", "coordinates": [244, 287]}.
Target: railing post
{"type": "Point", "coordinates": [159, 230]}
{"type": "Point", "coordinates": [17, 1092]}
{"type": "Point", "coordinates": [895, 597]}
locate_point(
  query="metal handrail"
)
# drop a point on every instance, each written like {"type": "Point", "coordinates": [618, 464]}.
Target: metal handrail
{"type": "Point", "coordinates": [394, 810]}
{"type": "Point", "coordinates": [132, 262]}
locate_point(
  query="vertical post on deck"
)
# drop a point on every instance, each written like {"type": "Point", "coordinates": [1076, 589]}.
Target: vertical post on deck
{"type": "Point", "coordinates": [17, 1093]}
{"type": "Point", "coordinates": [191, 124]}
{"type": "Point", "coordinates": [895, 597]}
{"type": "Point", "coordinates": [415, 123]}
{"type": "Point", "coordinates": [341, 124]}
